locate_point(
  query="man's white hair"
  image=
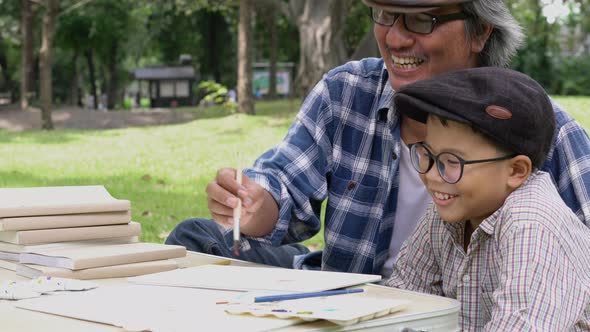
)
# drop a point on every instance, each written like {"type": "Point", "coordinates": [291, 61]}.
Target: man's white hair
{"type": "Point", "coordinates": [506, 36]}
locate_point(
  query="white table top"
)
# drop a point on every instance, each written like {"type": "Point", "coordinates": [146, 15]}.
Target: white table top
{"type": "Point", "coordinates": [425, 312]}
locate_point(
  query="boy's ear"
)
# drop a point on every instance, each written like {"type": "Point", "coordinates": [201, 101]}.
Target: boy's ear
{"type": "Point", "coordinates": [520, 169]}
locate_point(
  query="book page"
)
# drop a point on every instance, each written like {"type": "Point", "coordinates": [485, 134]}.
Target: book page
{"type": "Point", "coordinates": [244, 278]}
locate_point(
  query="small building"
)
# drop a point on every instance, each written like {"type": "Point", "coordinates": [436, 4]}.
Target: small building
{"type": "Point", "coordinates": [168, 86]}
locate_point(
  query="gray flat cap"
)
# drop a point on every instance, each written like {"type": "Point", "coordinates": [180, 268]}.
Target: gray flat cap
{"type": "Point", "coordinates": [411, 6]}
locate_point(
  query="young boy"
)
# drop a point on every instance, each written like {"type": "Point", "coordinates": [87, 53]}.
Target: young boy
{"type": "Point", "coordinates": [497, 237]}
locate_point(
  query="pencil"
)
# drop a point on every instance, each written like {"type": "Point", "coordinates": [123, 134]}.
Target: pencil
{"type": "Point", "coordinates": [237, 214]}
{"type": "Point", "coordinates": [294, 296]}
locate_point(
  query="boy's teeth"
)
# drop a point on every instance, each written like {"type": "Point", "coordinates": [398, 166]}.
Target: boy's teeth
{"type": "Point", "coordinates": [442, 195]}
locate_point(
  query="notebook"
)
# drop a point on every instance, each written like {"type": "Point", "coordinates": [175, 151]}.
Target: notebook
{"type": "Point", "coordinates": [20, 248]}
{"type": "Point", "coordinates": [37, 201]}
{"type": "Point", "coordinates": [115, 271]}
{"type": "Point", "coordinates": [245, 278]}
{"type": "Point", "coordinates": [64, 220]}
{"type": "Point", "coordinates": [38, 236]}
{"type": "Point", "coordinates": [102, 255]}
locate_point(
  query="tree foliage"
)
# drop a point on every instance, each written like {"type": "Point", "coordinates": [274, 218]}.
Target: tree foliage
{"type": "Point", "coordinates": [99, 43]}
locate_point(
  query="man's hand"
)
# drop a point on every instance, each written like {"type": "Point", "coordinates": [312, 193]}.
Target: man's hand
{"type": "Point", "coordinates": [259, 209]}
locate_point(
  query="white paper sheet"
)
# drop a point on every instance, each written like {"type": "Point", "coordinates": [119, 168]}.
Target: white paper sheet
{"type": "Point", "coordinates": [157, 309]}
{"type": "Point", "coordinates": [242, 278]}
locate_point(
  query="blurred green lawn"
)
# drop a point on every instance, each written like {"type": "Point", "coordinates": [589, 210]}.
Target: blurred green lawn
{"type": "Point", "coordinates": [163, 170]}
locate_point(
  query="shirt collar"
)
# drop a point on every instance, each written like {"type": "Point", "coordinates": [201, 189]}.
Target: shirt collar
{"type": "Point", "coordinates": [386, 99]}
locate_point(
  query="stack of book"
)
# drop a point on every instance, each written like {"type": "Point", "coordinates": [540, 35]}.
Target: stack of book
{"type": "Point", "coordinates": [75, 232]}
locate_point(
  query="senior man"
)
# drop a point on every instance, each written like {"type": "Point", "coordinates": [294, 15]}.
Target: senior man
{"type": "Point", "coordinates": [349, 145]}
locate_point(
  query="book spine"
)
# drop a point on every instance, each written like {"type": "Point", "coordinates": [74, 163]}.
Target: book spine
{"type": "Point", "coordinates": [70, 234]}
{"type": "Point", "coordinates": [22, 211]}
{"type": "Point", "coordinates": [128, 258]}
{"type": "Point", "coordinates": [66, 220]}
{"type": "Point", "coordinates": [120, 271]}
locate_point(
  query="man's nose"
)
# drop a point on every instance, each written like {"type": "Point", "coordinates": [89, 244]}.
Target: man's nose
{"type": "Point", "coordinates": [398, 37]}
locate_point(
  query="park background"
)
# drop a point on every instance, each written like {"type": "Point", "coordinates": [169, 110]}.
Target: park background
{"type": "Point", "coordinates": [82, 57]}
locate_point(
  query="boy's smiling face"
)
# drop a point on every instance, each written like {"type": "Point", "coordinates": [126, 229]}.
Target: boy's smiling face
{"type": "Point", "coordinates": [483, 187]}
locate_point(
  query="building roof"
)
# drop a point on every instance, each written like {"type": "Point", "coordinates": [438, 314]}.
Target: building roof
{"type": "Point", "coordinates": [161, 73]}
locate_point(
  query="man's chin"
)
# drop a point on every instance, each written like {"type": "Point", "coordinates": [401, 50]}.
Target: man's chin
{"type": "Point", "coordinates": [397, 83]}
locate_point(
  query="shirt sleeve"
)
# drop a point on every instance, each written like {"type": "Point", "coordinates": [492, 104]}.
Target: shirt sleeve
{"type": "Point", "coordinates": [294, 172]}
{"type": "Point", "coordinates": [416, 267]}
{"type": "Point", "coordinates": [539, 287]}
{"type": "Point", "coordinates": [569, 164]}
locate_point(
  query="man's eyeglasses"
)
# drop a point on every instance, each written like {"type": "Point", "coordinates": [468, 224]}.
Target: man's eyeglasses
{"type": "Point", "coordinates": [422, 23]}
{"type": "Point", "coordinates": [449, 165]}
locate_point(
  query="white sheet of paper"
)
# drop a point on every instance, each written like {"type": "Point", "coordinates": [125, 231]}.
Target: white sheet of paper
{"type": "Point", "coordinates": [243, 278]}
{"type": "Point", "coordinates": [158, 309]}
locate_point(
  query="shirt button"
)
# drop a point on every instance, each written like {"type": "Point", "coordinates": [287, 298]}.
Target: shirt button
{"type": "Point", "coordinates": [394, 156]}
{"type": "Point", "coordinates": [466, 278]}
{"type": "Point", "coordinates": [351, 185]}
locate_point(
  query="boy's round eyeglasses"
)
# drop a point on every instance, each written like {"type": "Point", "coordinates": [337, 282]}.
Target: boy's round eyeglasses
{"type": "Point", "coordinates": [422, 23]}
{"type": "Point", "coordinates": [449, 165]}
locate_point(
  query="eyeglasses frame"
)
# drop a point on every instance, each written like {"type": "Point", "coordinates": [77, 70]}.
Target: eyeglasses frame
{"type": "Point", "coordinates": [436, 19]}
{"type": "Point", "coordinates": [432, 158]}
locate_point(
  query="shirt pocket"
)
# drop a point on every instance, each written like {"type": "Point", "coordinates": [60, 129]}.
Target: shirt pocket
{"type": "Point", "coordinates": [350, 225]}
{"type": "Point", "coordinates": [352, 197]}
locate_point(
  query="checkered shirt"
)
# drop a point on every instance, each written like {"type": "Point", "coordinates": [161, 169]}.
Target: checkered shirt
{"type": "Point", "coordinates": [526, 267]}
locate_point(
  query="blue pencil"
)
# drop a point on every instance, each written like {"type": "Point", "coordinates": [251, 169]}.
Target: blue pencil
{"type": "Point", "coordinates": [283, 297]}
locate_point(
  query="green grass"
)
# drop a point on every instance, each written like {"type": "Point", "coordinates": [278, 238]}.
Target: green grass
{"type": "Point", "coordinates": [162, 170]}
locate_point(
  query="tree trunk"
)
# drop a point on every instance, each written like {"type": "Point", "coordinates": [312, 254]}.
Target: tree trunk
{"type": "Point", "coordinates": [216, 27]}
{"type": "Point", "coordinates": [245, 98]}
{"type": "Point", "coordinates": [273, 44]}
{"type": "Point", "coordinates": [49, 19]}
{"type": "Point", "coordinates": [26, 53]}
{"type": "Point", "coordinates": [321, 41]}
{"type": "Point", "coordinates": [9, 85]}
{"type": "Point", "coordinates": [367, 47]}
{"type": "Point", "coordinates": [73, 96]}
{"type": "Point", "coordinates": [92, 77]}
{"type": "Point", "coordinates": [113, 77]}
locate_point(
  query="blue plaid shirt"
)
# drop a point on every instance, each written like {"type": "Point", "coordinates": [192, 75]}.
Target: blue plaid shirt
{"type": "Point", "coordinates": [345, 145]}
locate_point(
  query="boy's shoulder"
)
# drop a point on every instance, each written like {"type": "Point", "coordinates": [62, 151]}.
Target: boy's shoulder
{"type": "Point", "coordinates": [536, 201]}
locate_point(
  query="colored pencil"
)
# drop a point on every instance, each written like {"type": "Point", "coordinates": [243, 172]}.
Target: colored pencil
{"type": "Point", "coordinates": [294, 296]}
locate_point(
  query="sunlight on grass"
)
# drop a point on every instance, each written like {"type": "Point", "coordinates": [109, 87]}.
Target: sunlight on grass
{"type": "Point", "coordinates": [163, 170]}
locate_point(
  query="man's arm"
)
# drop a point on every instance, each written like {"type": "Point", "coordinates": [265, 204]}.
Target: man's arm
{"type": "Point", "coordinates": [569, 164]}
{"type": "Point", "coordinates": [282, 193]}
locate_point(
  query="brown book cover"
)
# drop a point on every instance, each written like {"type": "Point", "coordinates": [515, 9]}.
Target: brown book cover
{"type": "Point", "coordinates": [105, 255]}
{"type": "Point", "coordinates": [70, 234]}
{"type": "Point", "coordinates": [64, 220]}
{"type": "Point", "coordinates": [41, 201]}
{"type": "Point", "coordinates": [113, 271]}
{"type": "Point", "coordinates": [20, 248]}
